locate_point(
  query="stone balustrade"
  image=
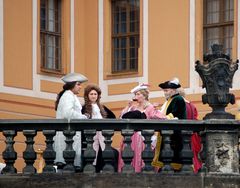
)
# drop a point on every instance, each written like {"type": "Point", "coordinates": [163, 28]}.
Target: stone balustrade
{"type": "Point", "coordinates": [219, 138]}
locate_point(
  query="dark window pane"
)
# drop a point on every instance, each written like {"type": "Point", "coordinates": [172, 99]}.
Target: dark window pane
{"type": "Point", "coordinates": [116, 43]}
{"type": "Point", "coordinates": [123, 53]}
{"type": "Point", "coordinates": [132, 41]}
{"type": "Point", "coordinates": [132, 26]}
{"type": "Point", "coordinates": [137, 26]}
{"type": "Point", "coordinates": [122, 65]}
{"type": "Point", "coordinates": [133, 64]}
{"type": "Point", "coordinates": [123, 27]}
{"type": "Point", "coordinates": [116, 17]}
{"type": "Point", "coordinates": [123, 42]}
{"type": "Point", "coordinates": [115, 65]}
{"type": "Point", "coordinates": [43, 18]}
{"type": "Point", "coordinates": [116, 28]}
{"type": "Point", "coordinates": [116, 54]}
{"type": "Point", "coordinates": [123, 16]}
{"type": "Point", "coordinates": [132, 2]}
{"type": "Point", "coordinates": [132, 53]}
{"type": "Point", "coordinates": [132, 16]}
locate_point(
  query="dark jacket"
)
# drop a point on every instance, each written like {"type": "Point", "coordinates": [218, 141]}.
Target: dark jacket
{"type": "Point", "coordinates": [177, 107]}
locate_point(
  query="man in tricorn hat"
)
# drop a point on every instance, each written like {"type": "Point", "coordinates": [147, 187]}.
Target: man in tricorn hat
{"type": "Point", "coordinates": [68, 106]}
{"type": "Point", "coordinates": [174, 108]}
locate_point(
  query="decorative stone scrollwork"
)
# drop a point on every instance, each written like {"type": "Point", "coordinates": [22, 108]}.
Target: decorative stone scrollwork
{"type": "Point", "coordinates": [217, 73]}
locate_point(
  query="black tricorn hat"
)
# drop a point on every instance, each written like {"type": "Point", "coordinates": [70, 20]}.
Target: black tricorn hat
{"type": "Point", "coordinates": [172, 84]}
{"type": "Point", "coordinates": [136, 114]}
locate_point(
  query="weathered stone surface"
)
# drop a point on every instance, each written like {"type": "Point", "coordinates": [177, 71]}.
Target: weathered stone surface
{"type": "Point", "coordinates": [222, 152]}
{"type": "Point", "coordinates": [118, 180]}
{"type": "Point", "coordinates": [100, 180]}
{"type": "Point", "coordinates": [222, 181]}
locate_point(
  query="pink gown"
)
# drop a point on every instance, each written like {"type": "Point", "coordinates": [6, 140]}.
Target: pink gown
{"type": "Point", "coordinates": [138, 147]}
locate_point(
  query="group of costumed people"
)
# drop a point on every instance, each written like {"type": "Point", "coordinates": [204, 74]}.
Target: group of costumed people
{"type": "Point", "coordinates": [175, 107]}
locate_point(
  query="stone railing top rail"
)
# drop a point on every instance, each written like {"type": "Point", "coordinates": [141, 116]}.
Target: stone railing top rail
{"type": "Point", "coordinates": [117, 124]}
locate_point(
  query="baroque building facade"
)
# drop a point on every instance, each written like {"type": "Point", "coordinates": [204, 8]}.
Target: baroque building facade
{"type": "Point", "coordinates": [117, 44]}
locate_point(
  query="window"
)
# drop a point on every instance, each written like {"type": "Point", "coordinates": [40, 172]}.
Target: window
{"type": "Point", "coordinates": [218, 24]}
{"type": "Point", "coordinates": [125, 35]}
{"type": "Point", "coordinates": [50, 36]}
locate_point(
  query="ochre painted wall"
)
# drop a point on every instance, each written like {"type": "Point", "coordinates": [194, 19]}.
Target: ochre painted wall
{"type": "Point", "coordinates": [18, 43]}
{"type": "Point", "coordinates": [20, 107]}
{"type": "Point", "coordinates": [168, 35]}
{"type": "Point", "coordinates": [86, 38]}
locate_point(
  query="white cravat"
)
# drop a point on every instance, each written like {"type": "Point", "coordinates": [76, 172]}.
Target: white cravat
{"type": "Point", "coordinates": [96, 112]}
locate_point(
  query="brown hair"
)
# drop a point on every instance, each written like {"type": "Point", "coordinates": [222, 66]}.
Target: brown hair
{"type": "Point", "coordinates": [88, 103]}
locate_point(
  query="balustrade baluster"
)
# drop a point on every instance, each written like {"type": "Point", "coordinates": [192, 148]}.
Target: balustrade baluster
{"type": "Point", "coordinates": [29, 154]}
{"type": "Point", "coordinates": [166, 151]}
{"type": "Point", "coordinates": [107, 154]}
{"type": "Point", "coordinates": [88, 153]}
{"type": "Point", "coordinates": [186, 153]}
{"type": "Point", "coordinates": [49, 154]}
{"type": "Point", "coordinates": [9, 155]}
{"type": "Point", "coordinates": [127, 154]}
{"type": "Point", "coordinates": [69, 153]}
{"type": "Point", "coordinates": [148, 154]}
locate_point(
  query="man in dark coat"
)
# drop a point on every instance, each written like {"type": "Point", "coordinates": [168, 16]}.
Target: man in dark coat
{"type": "Point", "coordinates": [174, 108]}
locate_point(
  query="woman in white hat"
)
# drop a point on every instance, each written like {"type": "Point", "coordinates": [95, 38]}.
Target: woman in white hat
{"type": "Point", "coordinates": [141, 103]}
{"type": "Point", "coordinates": [68, 106]}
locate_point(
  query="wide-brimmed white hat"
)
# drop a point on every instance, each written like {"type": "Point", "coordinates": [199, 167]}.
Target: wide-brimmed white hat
{"type": "Point", "coordinates": [74, 77]}
{"type": "Point", "coordinates": [139, 87]}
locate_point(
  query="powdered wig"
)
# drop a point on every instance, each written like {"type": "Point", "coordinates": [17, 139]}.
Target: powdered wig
{"type": "Point", "coordinates": [181, 91]}
{"type": "Point", "coordinates": [88, 103]}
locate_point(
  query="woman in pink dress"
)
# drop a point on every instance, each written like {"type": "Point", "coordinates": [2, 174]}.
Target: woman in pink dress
{"type": "Point", "coordinates": [137, 109]}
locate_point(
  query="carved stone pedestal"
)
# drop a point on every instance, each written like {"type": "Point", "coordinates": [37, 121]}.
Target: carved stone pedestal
{"type": "Point", "coordinates": [222, 152]}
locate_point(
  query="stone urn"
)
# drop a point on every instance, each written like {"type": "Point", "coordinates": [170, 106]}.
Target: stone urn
{"type": "Point", "coordinates": [217, 72]}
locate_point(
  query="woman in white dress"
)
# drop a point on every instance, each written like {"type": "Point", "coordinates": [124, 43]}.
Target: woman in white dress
{"type": "Point", "coordinates": [93, 107]}
{"type": "Point", "coordinates": [68, 107]}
